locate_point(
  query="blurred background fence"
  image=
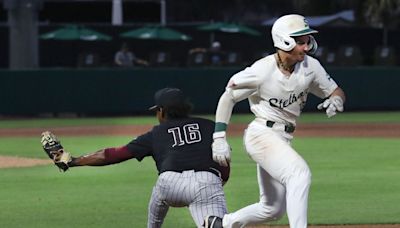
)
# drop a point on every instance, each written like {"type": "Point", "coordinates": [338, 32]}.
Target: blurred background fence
{"type": "Point", "coordinates": [57, 92]}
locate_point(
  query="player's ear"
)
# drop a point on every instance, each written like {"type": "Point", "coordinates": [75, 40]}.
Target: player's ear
{"type": "Point", "coordinates": [160, 114]}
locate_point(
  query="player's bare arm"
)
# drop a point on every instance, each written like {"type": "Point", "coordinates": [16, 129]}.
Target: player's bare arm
{"type": "Point", "coordinates": [103, 157]}
{"type": "Point", "coordinates": [98, 158]}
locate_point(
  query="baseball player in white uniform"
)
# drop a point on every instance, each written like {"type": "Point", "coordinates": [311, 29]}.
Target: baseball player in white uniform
{"type": "Point", "coordinates": [276, 87]}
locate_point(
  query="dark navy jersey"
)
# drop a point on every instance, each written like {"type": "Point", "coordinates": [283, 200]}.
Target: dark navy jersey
{"type": "Point", "coordinates": [178, 145]}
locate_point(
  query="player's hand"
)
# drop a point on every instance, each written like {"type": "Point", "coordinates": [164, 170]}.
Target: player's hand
{"type": "Point", "coordinates": [221, 149]}
{"type": "Point", "coordinates": [53, 148]}
{"type": "Point", "coordinates": [332, 105]}
{"type": "Point", "coordinates": [62, 159]}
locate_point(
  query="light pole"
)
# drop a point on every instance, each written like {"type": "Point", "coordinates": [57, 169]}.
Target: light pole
{"type": "Point", "coordinates": [117, 12]}
{"type": "Point", "coordinates": [163, 12]}
{"type": "Point", "coordinates": [23, 33]}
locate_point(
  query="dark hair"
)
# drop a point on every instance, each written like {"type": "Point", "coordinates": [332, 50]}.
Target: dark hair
{"type": "Point", "coordinates": [178, 111]}
{"type": "Point", "coordinates": [172, 102]}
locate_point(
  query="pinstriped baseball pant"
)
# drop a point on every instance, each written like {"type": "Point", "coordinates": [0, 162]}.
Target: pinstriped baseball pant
{"type": "Point", "coordinates": [201, 191]}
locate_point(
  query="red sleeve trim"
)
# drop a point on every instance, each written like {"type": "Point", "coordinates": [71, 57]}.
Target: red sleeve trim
{"type": "Point", "coordinates": [117, 154]}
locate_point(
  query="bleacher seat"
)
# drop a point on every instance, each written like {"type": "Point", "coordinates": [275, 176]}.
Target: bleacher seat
{"type": "Point", "coordinates": [349, 55]}
{"type": "Point", "coordinates": [88, 59]}
{"type": "Point", "coordinates": [320, 54]}
{"type": "Point", "coordinates": [233, 59]}
{"type": "Point", "coordinates": [330, 58]}
{"type": "Point", "coordinates": [385, 56]}
{"type": "Point", "coordinates": [160, 58]}
{"type": "Point", "coordinates": [197, 59]}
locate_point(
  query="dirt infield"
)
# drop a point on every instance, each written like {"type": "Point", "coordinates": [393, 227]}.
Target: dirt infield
{"type": "Point", "coordinates": [13, 162]}
{"type": "Point", "coordinates": [303, 130]}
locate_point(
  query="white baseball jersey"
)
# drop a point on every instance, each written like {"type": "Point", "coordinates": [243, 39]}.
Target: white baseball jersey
{"type": "Point", "coordinates": [275, 96]}
{"type": "Point", "coordinates": [284, 177]}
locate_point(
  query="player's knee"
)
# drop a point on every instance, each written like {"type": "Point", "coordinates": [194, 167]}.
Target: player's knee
{"type": "Point", "coordinates": [277, 214]}
{"type": "Point", "coordinates": [302, 174]}
{"type": "Point", "coordinates": [305, 176]}
{"type": "Point", "coordinates": [272, 213]}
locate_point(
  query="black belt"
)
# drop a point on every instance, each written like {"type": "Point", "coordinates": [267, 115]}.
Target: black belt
{"type": "Point", "coordinates": [288, 128]}
{"type": "Point", "coordinates": [211, 170]}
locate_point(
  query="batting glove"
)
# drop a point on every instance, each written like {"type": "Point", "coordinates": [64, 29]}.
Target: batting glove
{"type": "Point", "coordinates": [220, 149]}
{"type": "Point", "coordinates": [332, 105]}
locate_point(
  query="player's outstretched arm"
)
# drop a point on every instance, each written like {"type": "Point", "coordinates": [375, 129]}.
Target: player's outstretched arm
{"type": "Point", "coordinates": [94, 159]}
{"type": "Point", "coordinates": [103, 157]}
{"type": "Point", "coordinates": [63, 159]}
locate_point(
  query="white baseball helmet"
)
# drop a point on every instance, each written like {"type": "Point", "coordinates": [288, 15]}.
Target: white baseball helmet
{"type": "Point", "coordinates": [289, 26]}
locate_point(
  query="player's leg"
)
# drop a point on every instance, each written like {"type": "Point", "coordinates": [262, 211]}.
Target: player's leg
{"type": "Point", "coordinates": [168, 191]}
{"type": "Point", "coordinates": [157, 210]}
{"type": "Point", "coordinates": [273, 152]}
{"type": "Point", "coordinates": [270, 207]}
{"type": "Point", "coordinates": [208, 197]}
{"type": "Point", "coordinates": [297, 189]}
{"type": "Point", "coordinates": [287, 166]}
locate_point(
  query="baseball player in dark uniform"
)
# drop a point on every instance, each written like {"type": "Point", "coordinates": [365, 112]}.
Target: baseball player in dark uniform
{"type": "Point", "coordinates": [181, 148]}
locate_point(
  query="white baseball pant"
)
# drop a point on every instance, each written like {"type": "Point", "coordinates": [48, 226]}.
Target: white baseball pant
{"type": "Point", "coordinates": [284, 179]}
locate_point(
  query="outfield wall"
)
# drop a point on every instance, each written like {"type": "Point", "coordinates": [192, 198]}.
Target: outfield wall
{"type": "Point", "coordinates": [115, 92]}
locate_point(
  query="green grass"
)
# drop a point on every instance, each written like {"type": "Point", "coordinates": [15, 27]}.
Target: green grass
{"type": "Point", "coordinates": [355, 181]}
{"type": "Point", "coordinates": [320, 117]}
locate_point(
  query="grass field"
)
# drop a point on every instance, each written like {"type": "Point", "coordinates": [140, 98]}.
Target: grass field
{"type": "Point", "coordinates": [355, 180]}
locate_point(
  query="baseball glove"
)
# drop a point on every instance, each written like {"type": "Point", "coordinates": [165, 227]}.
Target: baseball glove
{"type": "Point", "coordinates": [55, 150]}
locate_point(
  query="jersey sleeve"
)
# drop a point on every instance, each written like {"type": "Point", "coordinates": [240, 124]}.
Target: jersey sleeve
{"type": "Point", "coordinates": [246, 78]}
{"type": "Point", "coordinates": [323, 85]}
{"type": "Point", "coordinates": [244, 83]}
{"type": "Point", "coordinates": [240, 86]}
{"type": "Point", "coordinates": [142, 146]}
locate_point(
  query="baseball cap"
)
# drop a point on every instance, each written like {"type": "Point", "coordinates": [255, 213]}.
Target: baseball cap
{"type": "Point", "coordinates": [168, 97]}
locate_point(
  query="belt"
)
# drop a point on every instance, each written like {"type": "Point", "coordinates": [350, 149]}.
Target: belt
{"type": "Point", "coordinates": [211, 170]}
{"type": "Point", "coordinates": [288, 128]}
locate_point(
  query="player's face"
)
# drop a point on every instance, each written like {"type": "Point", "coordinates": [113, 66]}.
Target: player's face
{"type": "Point", "coordinates": [301, 48]}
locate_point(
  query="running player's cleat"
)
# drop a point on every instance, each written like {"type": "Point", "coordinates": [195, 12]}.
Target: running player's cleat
{"type": "Point", "coordinates": [212, 221]}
